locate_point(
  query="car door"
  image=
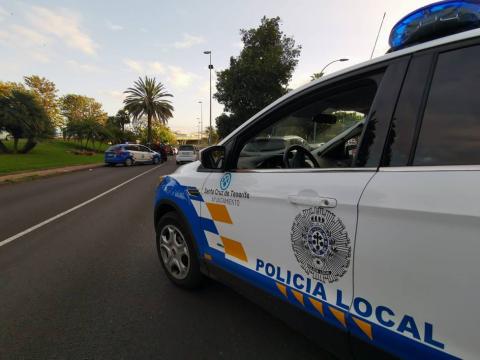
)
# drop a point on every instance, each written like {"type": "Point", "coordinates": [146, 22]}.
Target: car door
{"type": "Point", "coordinates": [147, 154]}
{"type": "Point", "coordinates": [291, 231]}
{"type": "Point", "coordinates": [133, 150]}
{"type": "Point", "coordinates": [418, 244]}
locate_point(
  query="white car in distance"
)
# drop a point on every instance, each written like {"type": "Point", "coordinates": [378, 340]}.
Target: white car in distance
{"type": "Point", "coordinates": [186, 153]}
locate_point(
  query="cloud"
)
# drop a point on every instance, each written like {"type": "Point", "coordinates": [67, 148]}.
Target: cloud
{"type": "Point", "coordinates": [40, 56]}
{"type": "Point", "coordinates": [143, 30]}
{"type": "Point", "coordinates": [134, 65]}
{"type": "Point", "coordinates": [203, 91]}
{"type": "Point", "coordinates": [114, 94]}
{"type": "Point", "coordinates": [20, 36]}
{"type": "Point", "coordinates": [156, 67]}
{"type": "Point", "coordinates": [299, 80]}
{"type": "Point", "coordinates": [173, 75]}
{"type": "Point", "coordinates": [88, 68]}
{"type": "Point", "coordinates": [28, 35]}
{"type": "Point", "coordinates": [144, 67]}
{"type": "Point", "coordinates": [114, 27]}
{"type": "Point", "coordinates": [3, 13]}
{"type": "Point", "coordinates": [180, 78]}
{"type": "Point", "coordinates": [62, 25]}
{"type": "Point", "coordinates": [188, 41]}
{"type": "Point", "coordinates": [34, 44]}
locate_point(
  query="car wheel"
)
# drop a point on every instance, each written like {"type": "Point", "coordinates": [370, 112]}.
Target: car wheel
{"type": "Point", "coordinates": [128, 162]}
{"type": "Point", "coordinates": [177, 253]}
{"type": "Point", "coordinates": [155, 160]}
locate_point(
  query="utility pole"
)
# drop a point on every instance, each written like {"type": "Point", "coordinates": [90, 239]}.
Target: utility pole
{"type": "Point", "coordinates": [198, 129]}
{"type": "Point", "coordinates": [201, 119]}
{"type": "Point", "coordinates": [210, 67]}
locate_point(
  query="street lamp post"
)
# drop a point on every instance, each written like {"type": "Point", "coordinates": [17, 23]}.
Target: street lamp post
{"type": "Point", "coordinates": [332, 62]}
{"type": "Point", "coordinates": [201, 118]}
{"type": "Point", "coordinates": [210, 67]}
{"type": "Point", "coordinates": [198, 129]}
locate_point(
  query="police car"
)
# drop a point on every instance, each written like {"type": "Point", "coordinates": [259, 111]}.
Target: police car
{"type": "Point", "coordinates": [371, 242]}
{"type": "Point", "coordinates": [130, 154]}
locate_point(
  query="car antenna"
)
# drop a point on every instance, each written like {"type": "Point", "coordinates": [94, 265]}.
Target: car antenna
{"type": "Point", "coordinates": [378, 34]}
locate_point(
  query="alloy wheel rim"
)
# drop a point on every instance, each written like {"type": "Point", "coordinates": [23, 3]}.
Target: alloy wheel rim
{"type": "Point", "coordinates": [174, 252]}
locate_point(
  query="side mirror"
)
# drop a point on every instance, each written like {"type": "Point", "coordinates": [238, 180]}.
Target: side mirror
{"type": "Point", "coordinates": [213, 157]}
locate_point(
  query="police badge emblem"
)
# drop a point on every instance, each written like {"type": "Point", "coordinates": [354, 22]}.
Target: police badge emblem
{"type": "Point", "coordinates": [321, 244]}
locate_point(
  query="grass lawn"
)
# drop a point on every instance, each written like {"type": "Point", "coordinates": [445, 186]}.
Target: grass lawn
{"type": "Point", "coordinates": [46, 155]}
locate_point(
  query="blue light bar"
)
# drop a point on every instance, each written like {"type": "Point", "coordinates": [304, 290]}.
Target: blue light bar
{"type": "Point", "coordinates": [434, 21]}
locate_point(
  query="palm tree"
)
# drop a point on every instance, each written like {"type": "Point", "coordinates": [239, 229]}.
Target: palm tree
{"type": "Point", "coordinates": [147, 97]}
{"type": "Point", "coordinates": [212, 135]}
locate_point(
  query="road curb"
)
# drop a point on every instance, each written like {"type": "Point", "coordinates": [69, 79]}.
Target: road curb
{"type": "Point", "coordinates": [32, 175]}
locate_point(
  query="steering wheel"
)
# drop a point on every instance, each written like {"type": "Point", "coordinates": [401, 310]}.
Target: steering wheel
{"type": "Point", "coordinates": [299, 157]}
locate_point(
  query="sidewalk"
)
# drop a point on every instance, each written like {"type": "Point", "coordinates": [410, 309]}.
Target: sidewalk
{"type": "Point", "coordinates": [43, 173]}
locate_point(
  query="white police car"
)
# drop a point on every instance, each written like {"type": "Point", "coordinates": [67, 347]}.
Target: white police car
{"type": "Point", "coordinates": [373, 239]}
{"type": "Point", "coordinates": [130, 154]}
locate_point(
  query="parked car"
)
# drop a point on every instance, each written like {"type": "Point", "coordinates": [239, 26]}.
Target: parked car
{"type": "Point", "coordinates": [186, 153]}
{"type": "Point", "coordinates": [370, 243]}
{"type": "Point", "coordinates": [130, 154]}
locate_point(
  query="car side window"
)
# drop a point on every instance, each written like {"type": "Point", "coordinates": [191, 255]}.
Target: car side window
{"type": "Point", "coordinates": [450, 130]}
{"type": "Point", "coordinates": [322, 131]}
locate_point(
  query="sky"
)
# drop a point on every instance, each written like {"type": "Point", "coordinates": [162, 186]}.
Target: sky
{"type": "Point", "coordinates": [99, 48]}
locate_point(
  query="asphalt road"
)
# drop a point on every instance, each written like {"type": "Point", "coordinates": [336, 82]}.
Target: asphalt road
{"type": "Point", "coordinates": [89, 285]}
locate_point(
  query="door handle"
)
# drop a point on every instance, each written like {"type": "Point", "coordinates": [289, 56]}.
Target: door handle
{"type": "Point", "coordinates": [323, 202]}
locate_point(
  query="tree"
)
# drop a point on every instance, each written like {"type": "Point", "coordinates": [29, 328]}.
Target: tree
{"type": "Point", "coordinates": [6, 90]}
{"type": "Point", "coordinates": [23, 116]}
{"type": "Point", "coordinates": [119, 121]}
{"type": "Point", "coordinates": [47, 94]}
{"type": "Point", "coordinates": [211, 134]}
{"type": "Point", "coordinates": [258, 76]}
{"type": "Point", "coordinates": [161, 134]}
{"type": "Point", "coordinates": [79, 107]}
{"type": "Point", "coordinates": [147, 97]}
{"type": "Point", "coordinates": [7, 87]}
{"type": "Point", "coordinates": [116, 127]}
{"type": "Point", "coordinates": [226, 123]}
{"type": "Point", "coordinates": [122, 118]}
{"type": "Point", "coordinates": [85, 117]}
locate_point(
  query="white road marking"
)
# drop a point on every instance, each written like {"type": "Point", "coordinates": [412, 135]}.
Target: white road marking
{"type": "Point", "coordinates": [58, 216]}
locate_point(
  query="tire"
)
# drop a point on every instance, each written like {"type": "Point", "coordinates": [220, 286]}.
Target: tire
{"type": "Point", "coordinates": [178, 162]}
{"type": "Point", "coordinates": [155, 160]}
{"type": "Point", "coordinates": [128, 162]}
{"type": "Point", "coordinates": [177, 253]}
